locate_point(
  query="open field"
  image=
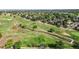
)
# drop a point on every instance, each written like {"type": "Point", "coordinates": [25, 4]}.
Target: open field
{"type": "Point", "coordinates": [39, 30]}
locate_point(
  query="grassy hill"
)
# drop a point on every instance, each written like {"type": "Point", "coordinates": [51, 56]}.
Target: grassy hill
{"type": "Point", "coordinates": [33, 34]}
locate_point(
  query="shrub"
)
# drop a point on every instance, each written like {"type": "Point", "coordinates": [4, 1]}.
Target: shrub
{"type": "Point", "coordinates": [57, 45]}
{"type": "Point", "coordinates": [17, 45]}
{"type": "Point", "coordinates": [51, 45]}
{"type": "Point", "coordinates": [50, 30]}
{"type": "Point", "coordinates": [22, 26]}
{"type": "Point", "coordinates": [9, 44]}
{"type": "Point", "coordinates": [34, 27]}
{"type": "Point", "coordinates": [76, 45]}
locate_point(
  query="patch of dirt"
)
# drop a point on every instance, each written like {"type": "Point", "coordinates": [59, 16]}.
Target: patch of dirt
{"type": "Point", "coordinates": [64, 33]}
{"type": "Point", "coordinates": [4, 39]}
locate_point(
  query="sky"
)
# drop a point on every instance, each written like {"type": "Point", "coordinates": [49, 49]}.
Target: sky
{"type": "Point", "coordinates": [39, 4]}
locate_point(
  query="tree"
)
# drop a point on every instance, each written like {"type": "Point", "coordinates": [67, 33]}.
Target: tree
{"type": "Point", "coordinates": [50, 30]}
{"type": "Point", "coordinates": [9, 44]}
{"type": "Point", "coordinates": [34, 27]}
{"type": "Point", "coordinates": [57, 45]}
{"type": "Point", "coordinates": [22, 26]}
{"type": "Point", "coordinates": [17, 45]}
{"type": "Point", "coordinates": [51, 45]}
{"type": "Point", "coordinates": [23, 15]}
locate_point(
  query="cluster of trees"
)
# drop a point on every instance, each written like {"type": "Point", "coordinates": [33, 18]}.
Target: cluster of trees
{"type": "Point", "coordinates": [59, 18]}
{"type": "Point", "coordinates": [64, 19]}
{"type": "Point", "coordinates": [56, 18]}
{"type": "Point", "coordinates": [57, 45]}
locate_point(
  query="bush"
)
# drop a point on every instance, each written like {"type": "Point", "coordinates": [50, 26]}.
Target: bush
{"type": "Point", "coordinates": [34, 27]}
{"type": "Point", "coordinates": [17, 45]}
{"type": "Point", "coordinates": [22, 26]}
{"type": "Point", "coordinates": [51, 45]}
{"type": "Point", "coordinates": [76, 45]}
{"type": "Point", "coordinates": [9, 44]}
{"type": "Point", "coordinates": [57, 45]}
{"type": "Point", "coordinates": [50, 30]}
